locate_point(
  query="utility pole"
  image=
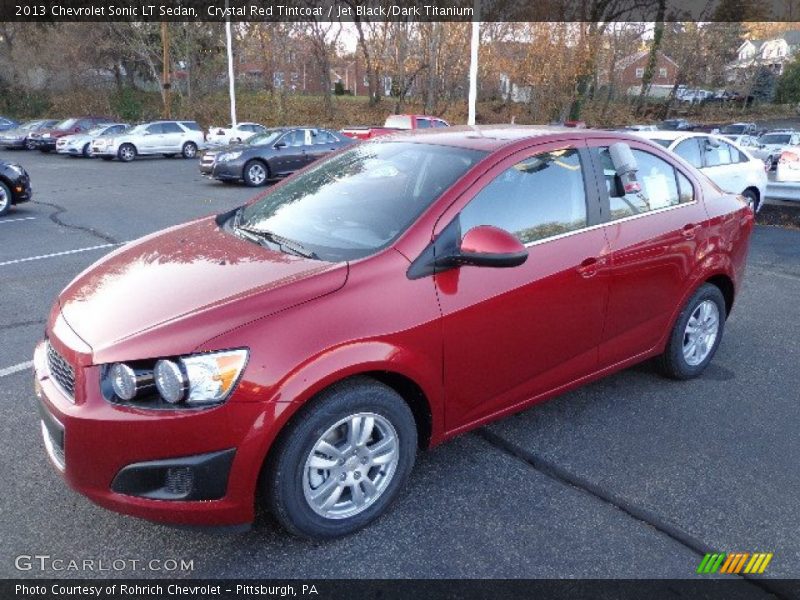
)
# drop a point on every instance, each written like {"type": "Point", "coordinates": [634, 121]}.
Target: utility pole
{"type": "Point", "coordinates": [165, 70]}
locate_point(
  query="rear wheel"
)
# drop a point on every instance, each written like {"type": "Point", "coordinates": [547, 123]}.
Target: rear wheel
{"type": "Point", "coordinates": [126, 152]}
{"type": "Point", "coordinates": [342, 462]}
{"type": "Point", "coordinates": [752, 199]}
{"type": "Point", "coordinates": [255, 173]}
{"type": "Point", "coordinates": [189, 150]}
{"type": "Point", "coordinates": [696, 335]}
{"type": "Point", "coordinates": [29, 145]}
{"type": "Point", "coordinates": [5, 199]}
{"type": "Point", "coordinates": [87, 151]}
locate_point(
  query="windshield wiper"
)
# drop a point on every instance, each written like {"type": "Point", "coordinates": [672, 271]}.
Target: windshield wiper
{"type": "Point", "coordinates": [262, 236]}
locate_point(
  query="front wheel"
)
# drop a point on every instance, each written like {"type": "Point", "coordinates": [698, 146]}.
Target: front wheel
{"type": "Point", "coordinates": [343, 461]}
{"type": "Point", "coordinates": [87, 151]}
{"type": "Point", "coordinates": [255, 173]}
{"type": "Point", "coordinates": [696, 335]}
{"type": "Point", "coordinates": [189, 150]}
{"type": "Point", "coordinates": [5, 199]}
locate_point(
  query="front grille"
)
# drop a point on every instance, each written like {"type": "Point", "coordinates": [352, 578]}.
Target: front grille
{"type": "Point", "coordinates": [61, 371]}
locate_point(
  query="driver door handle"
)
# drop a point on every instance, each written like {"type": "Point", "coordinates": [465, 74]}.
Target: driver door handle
{"type": "Point", "coordinates": [589, 267]}
{"type": "Point", "coordinates": [690, 230]}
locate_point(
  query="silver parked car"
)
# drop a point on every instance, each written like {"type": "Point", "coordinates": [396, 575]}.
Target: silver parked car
{"type": "Point", "coordinates": [168, 138]}
{"type": "Point", "coordinates": [80, 144]}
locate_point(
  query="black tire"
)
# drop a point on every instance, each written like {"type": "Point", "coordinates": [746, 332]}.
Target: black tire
{"type": "Point", "coordinates": [282, 484]}
{"type": "Point", "coordinates": [189, 150]}
{"type": "Point", "coordinates": [86, 151]}
{"type": "Point", "coordinates": [752, 199]}
{"type": "Point", "coordinates": [6, 199]}
{"type": "Point", "coordinates": [672, 363]}
{"type": "Point", "coordinates": [250, 173]}
{"type": "Point", "coordinates": [29, 145]}
{"type": "Point", "coordinates": [126, 152]}
{"type": "Point", "coordinates": [107, 158]}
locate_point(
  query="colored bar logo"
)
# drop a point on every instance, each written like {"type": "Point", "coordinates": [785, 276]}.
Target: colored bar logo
{"type": "Point", "coordinates": [733, 563]}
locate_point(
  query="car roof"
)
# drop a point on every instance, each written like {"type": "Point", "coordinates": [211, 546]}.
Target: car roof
{"type": "Point", "coordinates": [493, 137]}
{"type": "Point", "coordinates": [670, 135]}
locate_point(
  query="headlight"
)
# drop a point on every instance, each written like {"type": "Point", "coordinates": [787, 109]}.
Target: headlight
{"type": "Point", "coordinates": [228, 156]}
{"type": "Point", "coordinates": [187, 381]}
{"type": "Point", "coordinates": [123, 381]}
{"type": "Point", "coordinates": [46, 135]}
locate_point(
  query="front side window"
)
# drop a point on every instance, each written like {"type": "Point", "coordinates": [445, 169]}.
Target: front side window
{"type": "Point", "coordinates": [540, 197]}
{"type": "Point", "coordinates": [662, 186]}
{"type": "Point", "coordinates": [155, 128]}
{"type": "Point", "coordinates": [294, 138]}
{"type": "Point", "coordinates": [423, 124]}
{"type": "Point", "coordinates": [357, 202]}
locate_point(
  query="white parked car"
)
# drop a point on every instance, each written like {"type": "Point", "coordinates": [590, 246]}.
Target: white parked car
{"type": "Point", "coordinates": [773, 143]}
{"type": "Point", "coordinates": [222, 136]}
{"type": "Point", "coordinates": [168, 138]}
{"type": "Point", "coordinates": [80, 144]}
{"type": "Point", "coordinates": [729, 166]}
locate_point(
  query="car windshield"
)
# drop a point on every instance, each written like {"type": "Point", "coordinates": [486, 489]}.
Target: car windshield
{"type": "Point", "coordinates": [775, 138]}
{"type": "Point", "coordinates": [31, 125]}
{"type": "Point", "coordinates": [66, 124]}
{"type": "Point", "coordinates": [359, 201]}
{"type": "Point", "coordinates": [733, 129]}
{"type": "Point", "coordinates": [262, 139]}
{"type": "Point", "coordinates": [97, 130]}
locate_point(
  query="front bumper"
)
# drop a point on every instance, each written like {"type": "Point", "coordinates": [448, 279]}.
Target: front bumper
{"type": "Point", "coordinates": [228, 170]}
{"type": "Point", "coordinates": [44, 144]}
{"type": "Point", "coordinates": [21, 189]}
{"type": "Point", "coordinates": [188, 467]}
{"type": "Point", "coordinates": [13, 142]}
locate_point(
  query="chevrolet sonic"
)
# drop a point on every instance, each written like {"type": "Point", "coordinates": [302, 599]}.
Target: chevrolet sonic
{"type": "Point", "coordinates": [299, 350]}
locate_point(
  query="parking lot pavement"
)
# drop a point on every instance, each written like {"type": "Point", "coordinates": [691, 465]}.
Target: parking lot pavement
{"type": "Point", "coordinates": [630, 477]}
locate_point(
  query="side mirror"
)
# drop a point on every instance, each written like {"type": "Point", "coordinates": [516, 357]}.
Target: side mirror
{"type": "Point", "coordinates": [712, 142]}
{"type": "Point", "coordinates": [487, 246]}
{"type": "Point", "coordinates": [280, 145]}
{"type": "Point", "coordinates": [625, 167]}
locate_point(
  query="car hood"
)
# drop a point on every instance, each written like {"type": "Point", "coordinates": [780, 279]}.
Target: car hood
{"type": "Point", "coordinates": [170, 292]}
{"type": "Point", "coordinates": [230, 148]}
{"type": "Point", "coordinates": [52, 132]}
{"type": "Point", "coordinates": [15, 132]}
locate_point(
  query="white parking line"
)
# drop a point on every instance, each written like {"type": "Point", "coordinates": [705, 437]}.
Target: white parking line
{"type": "Point", "coordinates": [16, 368]}
{"type": "Point", "coordinates": [19, 219]}
{"type": "Point", "coordinates": [43, 256]}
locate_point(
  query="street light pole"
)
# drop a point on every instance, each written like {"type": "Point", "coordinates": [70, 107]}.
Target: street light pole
{"type": "Point", "coordinates": [165, 69]}
{"type": "Point", "coordinates": [231, 76]}
{"type": "Point", "coordinates": [473, 63]}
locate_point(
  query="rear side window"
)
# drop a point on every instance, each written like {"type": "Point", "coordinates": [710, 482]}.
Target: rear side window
{"type": "Point", "coordinates": [171, 128]}
{"type": "Point", "coordinates": [191, 125]}
{"type": "Point", "coordinates": [662, 186]}
{"type": "Point", "coordinates": [155, 128]}
{"type": "Point", "coordinates": [540, 197]}
{"type": "Point", "coordinates": [719, 155]}
{"type": "Point", "coordinates": [690, 151]}
{"type": "Point", "coordinates": [423, 124]}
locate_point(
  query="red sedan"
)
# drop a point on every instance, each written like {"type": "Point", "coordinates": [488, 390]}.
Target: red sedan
{"type": "Point", "coordinates": [302, 348]}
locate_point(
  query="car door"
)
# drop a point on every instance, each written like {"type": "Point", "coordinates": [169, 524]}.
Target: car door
{"type": "Point", "coordinates": [152, 139]}
{"type": "Point", "coordinates": [721, 165]}
{"type": "Point", "coordinates": [322, 143]}
{"type": "Point", "coordinates": [173, 137]}
{"type": "Point", "coordinates": [513, 334]}
{"type": "Point", "coordinates": [289, 152]}
{"type": "Point", "coordinates": [655, 237]}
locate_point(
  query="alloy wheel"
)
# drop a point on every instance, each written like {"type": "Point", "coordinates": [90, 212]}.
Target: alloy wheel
{"type": "Point", "coordinates": [701, 332]}
{"type": "Point", "coordinates": [256, 173]}
{"type": "Point", "coordinates": [350, 465]}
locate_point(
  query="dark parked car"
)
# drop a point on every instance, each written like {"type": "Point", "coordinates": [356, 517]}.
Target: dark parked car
{"type": "Point", "coordinates": [19, 137]}
{"type": "Point", "coordinates": [676, 125]}
{"type": "Point", "coordinates": [6, 123]}
{"type": "Point", "coordinates": [300, 349]}
{"type": "Point", "coordinates": [45, 139]}
{"type": "Point", "coordinates": [277, 153]}
{"type": "Point", "coordinates": [15, 186]}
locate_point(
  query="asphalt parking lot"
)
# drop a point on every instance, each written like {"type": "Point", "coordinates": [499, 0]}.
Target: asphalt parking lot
{"type": "Point", "coordinates": [632, 476]}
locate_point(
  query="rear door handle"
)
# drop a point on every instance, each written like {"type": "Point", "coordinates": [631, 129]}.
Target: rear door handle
{"type": "Point", "coordinates": [689, 230]}
{"type": "Point", "coordinates": [588, 268]}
